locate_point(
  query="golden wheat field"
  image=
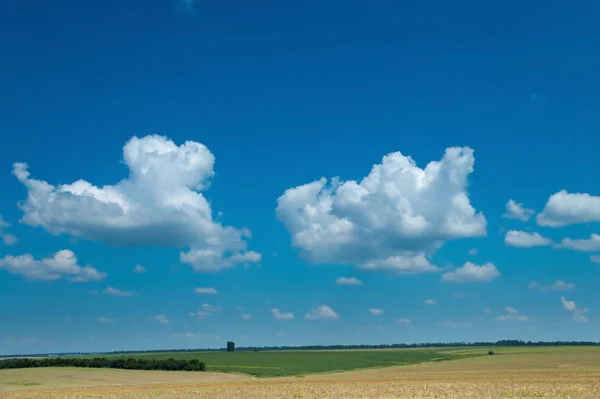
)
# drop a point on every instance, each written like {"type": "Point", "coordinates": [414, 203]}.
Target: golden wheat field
{"type": "Point", "coordinates": [519, 373]}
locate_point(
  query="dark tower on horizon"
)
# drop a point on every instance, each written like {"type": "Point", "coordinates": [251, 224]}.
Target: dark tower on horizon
{"type": "Point", "coordinates": [230, 346]}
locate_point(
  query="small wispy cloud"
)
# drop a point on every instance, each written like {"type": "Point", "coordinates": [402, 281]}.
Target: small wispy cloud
{"type": "Point", "coordinates": [348, 281]}
{"type": "Point", "coordinates": [558, 285]}
{"type": "Point", "coordinates": [188, 5]}
{"type": "Point", "coordinates": [186, 335]}
{"type": "Point", "coordinates": [430, 302]}
{"type": "Point", "coordinates": [139, 269]}
{"type": "Point", "coordinates": [375, 311]}
{"type": "Point", "coordinates": [160, 318]}
{"type": "Point", "coordinates": [518, 211]}
{"type": "Point", "coordinates": [117, 292]}
{"type": "Point", "coordinates": [322, 312]}
{"type": "Point", "coordinates": [205, 291]}
{"type": "Point", "coordinates": [279, 315]}
{"type": "Point", "coordinates": [512, 314]}
{"type": "Point", "coordinates": [457, 324]}
{"type": "Point", "coordinates": [7, 239]}
{"type": "Point", "coordinates": [577, 313]}
{"type": "Point", "coordinates": [211, 308]}
{"type": "Point", "coordinates": [199, 313]}
{"type": "Point", "coordinates": [105, 320]}
{"type": "Point", "coordinates": [206, 310]}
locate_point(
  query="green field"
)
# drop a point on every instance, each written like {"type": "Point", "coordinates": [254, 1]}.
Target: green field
{"type": "Point", "coordinates": [551, 372]}
{"type": "Point", "coordinates": [288, 363]}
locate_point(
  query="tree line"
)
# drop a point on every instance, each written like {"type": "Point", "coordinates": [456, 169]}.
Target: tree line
{"type": "Point", "coordinates": [510, 342]}
{"type": "Point", "coordinates": [507, 342]}
{"type": "Point", "coordinates": [130, 363]}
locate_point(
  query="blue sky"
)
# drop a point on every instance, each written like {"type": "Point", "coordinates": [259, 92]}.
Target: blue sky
{"type": "Point", "coordinates": [192, 139]}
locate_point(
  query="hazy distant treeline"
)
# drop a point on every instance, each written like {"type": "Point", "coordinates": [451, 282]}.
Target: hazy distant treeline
{"type": "Point", "coordinates": [102, 362]}
{"type": "Point", "coordinates": [510, 342]}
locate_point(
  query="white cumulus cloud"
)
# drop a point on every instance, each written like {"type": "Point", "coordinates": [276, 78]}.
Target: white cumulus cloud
{"type": "Point", "coordinates": [517, 211]}
{"type": "Point", "coordinates": [523, 239]}
{"type": "Point", "coordinates": [591, 244]}
{"type": "Point", "coordinates": [564, 208]}
{"type": "Point", "coordinates": [279, 315]}
{"type": "Point", "coordinates": [375, 311]}
{"type": "Point", "coordinates": [430, 302]}
{"type": "Point", "coordinates": [472, 273]}
{"type": "Point", "coordinates": [348, 281]}
{"type": "Point", "coordinates": [321, 312]}
{"type": "Point", "coordinates": [392, 219]}
{"type": "Point", "coordinates": [159, 203]}
{"type": "Point", "coordinates": [62, 264]}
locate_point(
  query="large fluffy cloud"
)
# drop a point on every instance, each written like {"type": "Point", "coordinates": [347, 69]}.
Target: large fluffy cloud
{"type": "Point", "coordinates": [524, 239]}
{"type": "Point", "coordinates": [564, 208]}
{"type": "Point", "coordinates": [158, 204]}
{"type": "Point", "coordinates": [62, 264]}
{"type": "Point", "coordinates": [390, 220]}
